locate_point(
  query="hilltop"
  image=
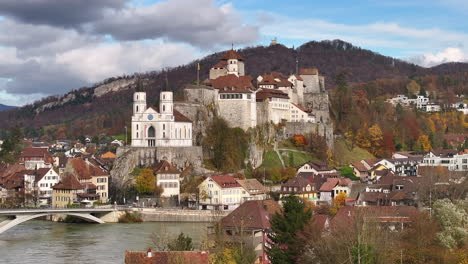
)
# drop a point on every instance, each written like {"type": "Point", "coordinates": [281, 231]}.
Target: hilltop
{"type": "Point", "coordinates": [6, 107]}
{"type": "Point", "coordinates": [105, 107]}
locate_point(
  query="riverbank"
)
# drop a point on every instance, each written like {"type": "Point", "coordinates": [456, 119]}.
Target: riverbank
{"type": "Point", "coordinates": [169, 215]}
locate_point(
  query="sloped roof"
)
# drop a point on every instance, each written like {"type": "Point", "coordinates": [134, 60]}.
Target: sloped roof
{"type": "Point", "coordinates": [164, 167]}
{"type": "Point", "coordinates": [35, 152]}
{"type": "Point", "coordinates": [264, 93]}
{"type": "Point", "coordinates": [84, 169]}
{"type": "Point", "coordinates": [220, 64]}
{"type": "Point", "coordinates": [166, 257]}
{"type": "Point", "coordinates": [232, 83]}
{"type": "Point", "coordinates": [253, 214]}
{"type": "Point", "coordinates": [252, 186]}
{"type": "Point", "coordinates": [225, 181]}
{"type": "Point", "coordinates": [267, 79]}
{"type": "Point", "coordinates": [40, 173]}
{"type": "Point", "coordinates": [231, 55]}
{"type": "Point", "coordinates": [179, 117]}
{"type": "Point", "coordinates": [69, 182]}
{"type": "Point", "coordinates": [329, 185]}
{"type": "Point", "coordinates": [346, 215]}
{"type": "Point", "coordinates": [359, 166]}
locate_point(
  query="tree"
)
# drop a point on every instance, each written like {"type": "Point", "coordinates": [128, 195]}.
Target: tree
{"type": "Point", "coordinates": [452, 218]}
{"type": "Point", "coordinates": [423, 144]}
{"type": "Point", "coordinates": [11, 147]}
{"type": "Point", "coordinates": [145, 182]}
{"type": "Point", "coordinates": [413, 88]}
{"type": "Point", "coordinates": [181, 243]}
{"type": "Point", "coordinates": [338, 202]}
{"type": "Point", "coordinates": [348, 172]}
{"type": "Point", "coordinates": [317, 145]}
{"type": "Point", "coordinates": [285, 246]}
{"type": "Point", "coordinates": [376, 139]}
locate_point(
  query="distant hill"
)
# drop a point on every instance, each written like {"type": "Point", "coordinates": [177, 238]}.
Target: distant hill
{"type": "Point", "coordinates": [6, 107]}
{"type": "Point", "coordinates": [106, 107]}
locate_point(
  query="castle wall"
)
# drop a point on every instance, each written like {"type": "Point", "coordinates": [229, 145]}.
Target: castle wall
{"type": "Point", "coordinates": [239, 112]}
{"type": "Point", "coordinates": [215, 73]}
{"type": "Point", "coordinates": [318, 102]}
{"type": "Point", "coordinates": [200, 94]}
{"type": "Point", "coordinates": [311, 83]}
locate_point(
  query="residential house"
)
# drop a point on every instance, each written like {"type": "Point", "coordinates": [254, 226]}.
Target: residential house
{"type": "Point", "coordinates": [66, 192]}
{"type": "Point", "coordinates": [88, 172]}
{"type": "Point", "coordinates": [334, 186]}
{"type": "Point", "coordinates": [394, 218]}
{"type": "Point", "coordinates": [45, 178]}
{"type": "Point", "coordinates": [221, 192]}
{"type": "Point", "coordinates": [168, 177]}
{"type": "Point", "coordinates": [35, 158]}
{"type": "Point", "coordinates": [255, 190]}
{"type": "Point", "coordinates": [317, 167]}
{"type": "Point", "coordinates": [166, 257]}
{"type": "Point", "coordinates": [250, 223]}
{"type": "Point", "coordinates": [300, 187]}
{"type": "Point", "coordinates": [360, 170]}
{"type": "Point", "coordinates": [446, 158]}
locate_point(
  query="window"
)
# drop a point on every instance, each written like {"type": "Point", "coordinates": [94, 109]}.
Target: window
{"type": "Point", "coordinates": [164, 108]}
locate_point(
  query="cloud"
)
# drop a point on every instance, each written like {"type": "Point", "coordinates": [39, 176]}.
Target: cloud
{"type": "Point", "coordinates": [85, 66]}
{"type": "Point", "coordinates": [61, 13]}
{"type": "Point", "coordinates": [197, 22]}
{"type": "Point", "coordinates": [447, 55]}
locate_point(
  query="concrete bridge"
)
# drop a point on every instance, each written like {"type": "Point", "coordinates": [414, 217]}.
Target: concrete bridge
{"type": "Point", "coordinates": [18, 216]}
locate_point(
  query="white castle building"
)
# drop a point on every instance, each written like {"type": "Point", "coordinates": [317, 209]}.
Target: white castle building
{"type": "Point", "coordinates": [166, 128]}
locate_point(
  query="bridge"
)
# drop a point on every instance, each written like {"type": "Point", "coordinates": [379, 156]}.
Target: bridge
{"type": "Point", "coordinates": [18, 216]}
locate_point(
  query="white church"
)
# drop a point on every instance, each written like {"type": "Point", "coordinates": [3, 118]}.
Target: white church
{"type": "Point", "coordinates": [166, 128]}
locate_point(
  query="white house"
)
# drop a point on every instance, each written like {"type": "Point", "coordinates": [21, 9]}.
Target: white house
{"type": "Point", "coordinates": [167, 128]}
{"type": "Point", "coordinates": [168, 177]}
{"type": "Point", "coordinates": [45, 178]}
{"type": "Point", "coordinates": [446, 158]}
{"type": "Point", "coordinates": [221, 192]}
{"type": "Point", "coordinates": [316, 167]}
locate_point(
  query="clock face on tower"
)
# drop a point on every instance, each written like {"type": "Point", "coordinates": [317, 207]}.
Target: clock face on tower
{"type": "Point", "coordinates": [150, 117]}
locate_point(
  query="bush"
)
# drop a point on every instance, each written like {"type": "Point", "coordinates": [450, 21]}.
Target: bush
{"type": "Point", "coordinates": [130, 217]}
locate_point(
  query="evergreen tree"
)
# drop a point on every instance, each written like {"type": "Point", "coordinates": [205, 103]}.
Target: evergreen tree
{"type": "Point", "coordinates": [285, 246]}
{"type": "Point", "coordinates": [181, 243]}
{"type": "Point", "coordinates": [11, 147]}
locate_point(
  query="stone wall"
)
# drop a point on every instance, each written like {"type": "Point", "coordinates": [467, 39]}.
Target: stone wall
{"type": "Point", "coordinates": [202, 94]}
{"type": "Point", "coordinates": [238, 113]}
{"type": "Point", "coordinates": [318, 102]}
{"type": "Point", "coordinates": [130, 157]}
{"type": "Point", "coordinates": [161, 215]}
{"type": "Point", "coordinates": [200, 116]}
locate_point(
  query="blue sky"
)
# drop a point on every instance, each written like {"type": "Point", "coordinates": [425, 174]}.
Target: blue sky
{"type": "Point", "coordinates": [49, 47]}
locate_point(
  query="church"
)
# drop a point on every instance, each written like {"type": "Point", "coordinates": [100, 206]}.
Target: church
{"type": "Point", "coordinates": [166, 128]}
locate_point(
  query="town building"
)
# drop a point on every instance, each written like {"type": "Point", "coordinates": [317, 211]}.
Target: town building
{"type": "Point", "coordinates": [66, 192]}
{"type": "Point", "coordinates": [254, 189]}
{"type": "Point", "coordinates": [250, 223]}
{"type": "Point", "coordinates": [221, 192]}
{"type": "Point", "coordinates": [168, 178]}
{"type": "Point", "coordinates": [166, 128]}
{"type": "Point", "coordinates": [44, 179]}
{"type": "Point", "coordinates": [316, 167]}
{"type": "Point", "coordinates": [36, 158]}
{"type": "Point", "coordinates": [446, 158]}
{"type": "Point", "coordinates": [300, 187]}
{"type": "Point", "coordinates": [90, 174]}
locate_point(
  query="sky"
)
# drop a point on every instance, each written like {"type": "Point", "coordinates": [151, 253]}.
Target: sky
{"type": "Point", "coordinates": [49, 47]}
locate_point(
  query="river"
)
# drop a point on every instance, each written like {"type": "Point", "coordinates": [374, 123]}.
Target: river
{"type": "Point", "coordinates": [38, 242]}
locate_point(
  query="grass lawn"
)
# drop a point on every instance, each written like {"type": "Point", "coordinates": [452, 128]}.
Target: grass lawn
{"type": "Point", "coordinates": [344, 156]}
{"type": "Point", "coordinates": [271, 160]}
{"type": "Point", "coordinates": [119, 137]}
{"type": "Point", "coordinates": [298, 158]}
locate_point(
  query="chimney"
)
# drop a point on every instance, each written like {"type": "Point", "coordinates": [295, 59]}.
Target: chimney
{"type": "Point", "coordinates": [149, 254]}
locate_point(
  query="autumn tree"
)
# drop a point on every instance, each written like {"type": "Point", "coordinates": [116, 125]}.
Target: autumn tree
{"type": "Point", "coordinates": [423, 144]}
{"type": "Point", "coordinates": [338, 202]}
{"type": "Point", "coordinates": [376, 140]}
{"type": "Point", "coordinates": [317, 145]}
{"type": "Point", "coordinates": [413, 88]}
{"type": "Point", "coordinates": [145, 182]}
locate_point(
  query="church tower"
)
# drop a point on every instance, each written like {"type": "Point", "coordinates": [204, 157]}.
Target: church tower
{"type": "Point", "coordinates": [139, 103]}
{"type": "Point", "coordinates": [166, 103]}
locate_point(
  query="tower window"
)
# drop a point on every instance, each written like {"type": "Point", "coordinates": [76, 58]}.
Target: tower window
{"type": "Point", "coordinates": [164, 108]}
{"type": "Point", "coordinates": [164, 126]}
{"type": "Point", "coordinates": [137, 108]}
{"type": "Point", "coordinates": [164, 96]}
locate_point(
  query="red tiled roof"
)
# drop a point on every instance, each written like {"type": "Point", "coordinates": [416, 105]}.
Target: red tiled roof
{"type": "Point", "coordinates": [346, 215]}
{"type": "Point", "coordinates": [302, 108]}
{"type": "Point", "coordinates": [329, 184]}
{"type": "Point", "coordinates": [253, 186]}
{"type": "Point", "coordinates": [284, 83]}
{"type": "Point", "coordinates": [298, 77]}
{"type": "Point", "coordinates": [268, 79]}
{"type": "Point", "coordinates": [166, 257]}
{"type": "Point", "coordinates": [164, 167]}
{"type": "Point", "coordinates": [68, 183]}
{"type": "Point", "coordinates": [232, 83]}
{"type": "Point", "coordinates": [40, 173]}
{"type": "Point", "coordinates": [85, 170]}
{"type": "Point", "coordinates": [34, 152]}
{"type": "Point", "coordinates": [252, 215]}
{"type": "Point", "coordinates": [359, 166]}
{"type": "Point", "coordinates": [225, 181]}
{"type": "Point", "coordinates": [220, 64]}
{"type": "Point", "coordinates": [231, 55]}
{"type": "Point", "coordinates": [179, 117]}
{"type": "Point", "coordinates": [264, 93]}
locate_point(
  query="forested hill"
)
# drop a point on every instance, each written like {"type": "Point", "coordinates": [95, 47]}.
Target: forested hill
{"type": "Point", "coordinates": [105, 107]}
{"type": "Point", "coordinates": [5, 107]}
